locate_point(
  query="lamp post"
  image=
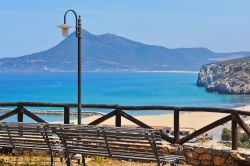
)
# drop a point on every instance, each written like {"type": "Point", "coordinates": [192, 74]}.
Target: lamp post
{"type": "Point", "coordinates": [65, 27]}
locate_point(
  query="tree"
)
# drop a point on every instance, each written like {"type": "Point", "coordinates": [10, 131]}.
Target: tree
{"type": "Point", "coordinates": [226, 134]}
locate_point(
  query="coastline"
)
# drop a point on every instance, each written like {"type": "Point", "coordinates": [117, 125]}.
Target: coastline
{"type": "Point", "coordinates": [194, 120]}
{"type": "Point", "coordinates": [165, 120]}
{"type": "Point", "coordinates": [169, 71]}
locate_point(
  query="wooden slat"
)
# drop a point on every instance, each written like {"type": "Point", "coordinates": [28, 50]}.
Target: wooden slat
{"type": "Point", "coordinates": [80, 145]}
{"type": "Point", "coordinates": [66, 115]}
{"type": "Point", "coordinates": [132, 108]}
{"type": "Point", "coordinates": [204, 129]}
{"type": "Point", "coordinates": [130, 155]}
{"type": "Point", "coordinates": [134, 120]}
{"type": "Point", "coordinates": [33, 116]}
{"type": "Point", "coordinates": [118, 121]}
{"type": "Point", "coordinates": [83, 148]}
{"type": "Point", "coordinates": [133, 150]}
{"type": "Point", "coordinates": [176, 126]}
{"type": "Point", "coordinates": [167, 138]}
{"type": "Point", "coordinates": [96, 153]}
{"type": "Point", "coordinates": [242, 124]}
{"type": "Point", "coordinates": [9, 114]}
{"type": "Point", "coordinates": [142, 144]}
{"type": "Point", "coordinates": [103, 118]}
{"type": "Point", "coordinates": [20, 114]}
{"type": "Point", "coordinates": [234, 132]}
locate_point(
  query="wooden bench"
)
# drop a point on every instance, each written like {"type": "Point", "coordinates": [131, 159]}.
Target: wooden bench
{"type": "Point", "coordinates": [35, 136]}
{"type": "Point", "coordinates": [87, 140]}
{"type": "Point", "coordinates": [126, 143]}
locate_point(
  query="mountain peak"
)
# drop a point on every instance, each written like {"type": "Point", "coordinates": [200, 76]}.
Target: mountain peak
{"type": "Point", "coordinates": [110, 52]}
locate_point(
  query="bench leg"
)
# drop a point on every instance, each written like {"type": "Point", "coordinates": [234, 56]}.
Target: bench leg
{"type": "Point", "coordinates": [83, 160]}
{"type": "Point", "coordinates": [173, 164]}
{"type": "Point", "coordinates": [51, 160]}
{"type": "Point", "coordinates": [78, 161]}
{"type": "Point", "coordinates": [68, 162]}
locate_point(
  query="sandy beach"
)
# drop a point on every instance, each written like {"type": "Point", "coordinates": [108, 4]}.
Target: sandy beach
{"type": "Point", "coordinates": [194, 120]}
{"type": "Point", "coordinates": [188, 120]}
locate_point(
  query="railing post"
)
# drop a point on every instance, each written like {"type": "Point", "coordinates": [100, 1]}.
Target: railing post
{"type": "Point", "coordinates": [234, 133]}
{"type": "Point", "coordinates": [66, 115]}
{"type": "Point", "coordinates": [176, 126]}
{"type": "Point", "coordinates": [118, 120]}
{"type": "Point", "coordinates": [20, 113]}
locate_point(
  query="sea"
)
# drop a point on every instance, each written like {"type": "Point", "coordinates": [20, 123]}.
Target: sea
{"type": "Point", "coordinates": [123, 88]}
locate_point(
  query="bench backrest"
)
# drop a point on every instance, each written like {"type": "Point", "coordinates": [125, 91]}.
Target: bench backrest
{"type": "Point", "coordinates": [136, 143]}
{"type": "Point", "coordinates": [27, 136]}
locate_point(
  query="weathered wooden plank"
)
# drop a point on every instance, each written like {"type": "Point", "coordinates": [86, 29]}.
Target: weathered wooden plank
{"type": "Point", "coordinates": [96, 153]}
{"type": "Point", "coordinates": [242, 124]}
{"type": "Point", "coordinates": [204, 129]}
{"type": "Point", "coordinates": [176, 126]}
{"type": "Point", "coordinates": [33, 116]}
{"type": "Point", "coordinates": [66, 115]}
{"type": "Point", "coordinates": [234, 132]}
{"type": "Point", "coordinates": [118, 121]}
{"type": "Point", "coordinates": [167, 138]}
{"type": "Point", "coordinates": [9, 114]}
{"type": "Point", "coordinates": [114, 106]}
{"type": "Point", "coordinates": [20, 114]}
{"type": "Point", "coordinates": [62, 105]}
{"type": "Point", "coordinates": [188, 109]}
{"type": "Point", "coordinates": [134, 120]}
{"type": "Point", "coordinates": [103, 118]}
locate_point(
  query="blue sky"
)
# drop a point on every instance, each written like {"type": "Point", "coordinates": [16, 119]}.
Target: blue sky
{"type": "Point", "coordinates": [29, 26]}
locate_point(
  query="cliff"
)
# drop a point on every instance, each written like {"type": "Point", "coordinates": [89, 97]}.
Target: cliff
{"type": "Point", "coordinates": [226, 77]}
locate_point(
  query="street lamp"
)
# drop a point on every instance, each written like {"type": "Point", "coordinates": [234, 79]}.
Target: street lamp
{"type": "Point", "coordinates": [65, 28]}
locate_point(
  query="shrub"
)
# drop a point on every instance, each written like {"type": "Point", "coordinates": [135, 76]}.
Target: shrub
{"type": "Point", "coordinates": [226, 134]}
{"type": "Point", "coordinates": [99, 159]}
{"type": "Point", "coordinates": [244, 139]}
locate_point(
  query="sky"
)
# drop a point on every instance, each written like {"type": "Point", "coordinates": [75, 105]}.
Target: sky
{"type": "Point", "coordinates": [29, 26]}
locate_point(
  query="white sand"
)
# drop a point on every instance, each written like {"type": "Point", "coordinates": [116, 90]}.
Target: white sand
{"type": "Point", "coordinates": [187, 120]}
{"type": "Point", "coordinates": [193, 120]}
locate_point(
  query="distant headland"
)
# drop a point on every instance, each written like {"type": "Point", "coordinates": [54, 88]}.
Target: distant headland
{"type": "Point", "coordinates": [226, 77]}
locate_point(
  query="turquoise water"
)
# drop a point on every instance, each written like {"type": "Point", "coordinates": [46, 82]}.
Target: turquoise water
{"type": "Point", "coordinates": [126, 88]}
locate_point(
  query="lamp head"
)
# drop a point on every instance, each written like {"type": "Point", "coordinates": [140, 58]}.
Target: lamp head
{"type": "Point", "coordinates": [65, 29]}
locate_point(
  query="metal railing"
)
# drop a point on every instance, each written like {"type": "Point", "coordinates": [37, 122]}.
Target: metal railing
{"type": "Point", "coordinates": [119, 111]}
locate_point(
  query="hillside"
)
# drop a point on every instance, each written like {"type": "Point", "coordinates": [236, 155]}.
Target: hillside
{"type": "Point", "coordinates": [227, 77]}
{"type": "Point", "coordinates": [109, 52]}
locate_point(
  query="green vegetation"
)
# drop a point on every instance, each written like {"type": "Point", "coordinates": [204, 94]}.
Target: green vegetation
{"type": "Point", "coordinates": [99, 159]}
{"type": "Point", "coordinates": [243, 138]}
{"type": "Point", "coordinates": [226, 134]}
{"type": "Point", "coordinates": [2, 163]}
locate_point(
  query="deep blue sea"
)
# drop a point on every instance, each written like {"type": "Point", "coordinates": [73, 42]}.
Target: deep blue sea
{"type": "Point", "coordinates": [124, 88]}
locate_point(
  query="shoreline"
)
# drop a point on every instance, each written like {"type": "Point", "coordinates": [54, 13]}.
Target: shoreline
{"type": "Point", "coordinates": [194, 120]}
{"type": "Point", "coordinates": [169, 71]}
{"type": "Point", "coordinates": [187, 120]}
{"type": "Point", "coordinates": [121, 71]}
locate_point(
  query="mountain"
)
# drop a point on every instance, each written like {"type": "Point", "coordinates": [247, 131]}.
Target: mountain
{"type": "Point", "coordinates": [227, 77]}
{"type": "Point", "coordinates": [109, 52]}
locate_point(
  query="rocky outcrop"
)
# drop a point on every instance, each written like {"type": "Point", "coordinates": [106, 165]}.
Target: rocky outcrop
{"type": "Point", "coordinates": [227, 77]}
{"type": "Point", "coordinates": [200, 155]}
